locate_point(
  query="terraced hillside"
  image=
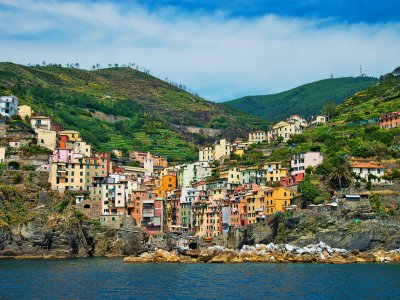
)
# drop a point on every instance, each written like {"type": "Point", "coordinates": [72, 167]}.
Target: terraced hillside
{"type": "Point", "coordinates": [123, 108]}
{"type": "Point", "coordinates": [354, 129]}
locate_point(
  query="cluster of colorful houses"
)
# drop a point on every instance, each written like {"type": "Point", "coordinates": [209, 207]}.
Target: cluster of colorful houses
{"type": "Point", "coordinates": [200, 198]}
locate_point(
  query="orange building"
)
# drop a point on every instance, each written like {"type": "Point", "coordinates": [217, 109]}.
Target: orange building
{"type": "Point", "coordinates": [168, 183]}
{"type": "Point", "coordinates": [390, 120]}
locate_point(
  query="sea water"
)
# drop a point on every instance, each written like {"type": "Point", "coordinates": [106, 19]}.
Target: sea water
{"type": "Point", "coordinates": [100, 278]}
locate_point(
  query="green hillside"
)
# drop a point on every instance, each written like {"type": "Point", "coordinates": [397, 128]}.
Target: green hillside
{"type": "Point", "coordinates": [123, 108]}
{"type": "Point", "coordinates": [354, 129]}
{"type": "Point", "coordinates": [306, 100]}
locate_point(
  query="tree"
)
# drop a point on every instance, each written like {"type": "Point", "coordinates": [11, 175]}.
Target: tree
{"type": "Point", "coordinates": [310, 170]}
{"type": "Point", "coordinates": [329, 108]}
{"type": "Point", "coordinates": [340, 172]}
{"type": "Point", "coordinates": [308, 190]}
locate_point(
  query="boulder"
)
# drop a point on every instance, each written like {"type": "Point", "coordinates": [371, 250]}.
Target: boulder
{"type": "Point", "coordinates": [165, 256]}
{"type": "Point", "coordinates": [186, 259]}
{"type": "Point", "coordinates": [193, 253]}
{"type": "Point", "coordinates": [9, 250]}
{"type": "Point", "coordinates": [206, 255]}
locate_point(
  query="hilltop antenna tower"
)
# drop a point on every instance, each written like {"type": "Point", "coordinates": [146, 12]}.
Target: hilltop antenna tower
{"type": "Point", "coordinates": [361, 72]}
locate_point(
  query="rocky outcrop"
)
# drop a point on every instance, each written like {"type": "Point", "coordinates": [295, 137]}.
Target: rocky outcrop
{"type": "Point", "coordinates": [249, 235]}
{"type": "Point", "coordinates": [67, 238]}
{"type": "Point", "coordinates": [339, 230]}
{"type": "Point", "coordinates": [271, 253]}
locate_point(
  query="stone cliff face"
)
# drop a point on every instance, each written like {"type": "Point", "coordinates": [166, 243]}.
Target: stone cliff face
{"type": "Point", "coordinates": [250, 235]}
{"type": "Point", "coordinates": [70, 238]}
{"type": "Point", "coordinates": [306, 227]}
{"type": "Point", "coordinates": [34, 223]}
{"type": "Point", "coordinates": [341, 232]}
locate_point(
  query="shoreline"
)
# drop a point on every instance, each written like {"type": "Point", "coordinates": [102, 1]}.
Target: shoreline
{"type": "Point", "coordinates": [271, 253]}
{"type": "Point", "coordinates": [260, 253]}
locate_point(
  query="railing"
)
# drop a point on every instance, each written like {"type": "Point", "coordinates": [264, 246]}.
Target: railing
{"type": "Point", "coordinates": [148, 212]}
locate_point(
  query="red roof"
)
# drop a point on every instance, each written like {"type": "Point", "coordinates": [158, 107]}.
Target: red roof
{"type": "Point", "coordinates": [367, 166]}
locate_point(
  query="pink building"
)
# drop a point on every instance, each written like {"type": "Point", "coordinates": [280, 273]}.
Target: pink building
{"type": "Point", "coordinates": [301, 161]}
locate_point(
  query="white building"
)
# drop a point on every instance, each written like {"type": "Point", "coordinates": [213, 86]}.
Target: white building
{"type": "Point", "coordinates": [282, 129]}
{"type": "Point", "coordinates": [365, 169]}
{"type": "Point", "coordinates": [41, 122]}
{"type": "Point", "coordinates": [193, 172]}
{"type": "Point", "coordinates": [8, 106]}
{"type": "Point", "coordinates": [300, 162]}
{"type": "Point", "coordinates": [258, 136]}
{"type": "Point", "coordinates": [206, 154]}
{"type": "Point", "coordinates": [299, 121]}
{"type": "Point", "coordinates": [113, 198]}
{"type": "Point", "coordinates": [318, 120]}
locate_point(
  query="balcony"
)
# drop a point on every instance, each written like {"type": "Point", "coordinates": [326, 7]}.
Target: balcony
{"type": "Point", "coordinates": [148, 213]}
{"type": "Point", "coordinates": [151, 223]}
{"type": "Point", "coordinates": [61, 173]}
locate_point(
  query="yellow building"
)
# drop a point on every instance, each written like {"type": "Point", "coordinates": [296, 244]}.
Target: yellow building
{"type": "Point", "coordinates": [233, 175]}
{"type": "Point", "coordinates": [206, 154]}
{"type": "Point", "coordinates": [277, 199]}
{"type": "Point", "coordinates": [2, 154]}
{"type": "Point", "coordinates": [47, 138]}
{"type": "Point", "coordinates": [255, 205]}
{"type": "Point", "coordinates": [222, 149]}
{"type": "Point", "coordinates": [72, 135]}
{"type": "Point", "coordinates": [118, 153]}
{"type": "Point", "coordinates": [25, 111]}
{"type": "Point", "coordinates": [239, 152]}
{"type": "Point", "coordinates": [67, 174]}
{"type": "Point", "coordinates": [80, 147]}
{"type": "Point", "coordinates": [275, 172]}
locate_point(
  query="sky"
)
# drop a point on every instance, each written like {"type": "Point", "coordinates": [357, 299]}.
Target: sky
{"type": "Point", "coordinates": [220, 49]}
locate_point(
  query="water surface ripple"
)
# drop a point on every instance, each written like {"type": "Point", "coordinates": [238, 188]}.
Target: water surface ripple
{"type": "Point", "coordinates": [99, 278]}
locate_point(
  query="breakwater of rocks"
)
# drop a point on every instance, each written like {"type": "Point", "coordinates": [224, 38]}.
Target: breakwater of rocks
{"type": "Point", "coordinates": [271, 253]}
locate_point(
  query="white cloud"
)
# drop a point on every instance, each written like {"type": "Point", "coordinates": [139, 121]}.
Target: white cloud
{"type": "Point", "coordinates": [220, 57]}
